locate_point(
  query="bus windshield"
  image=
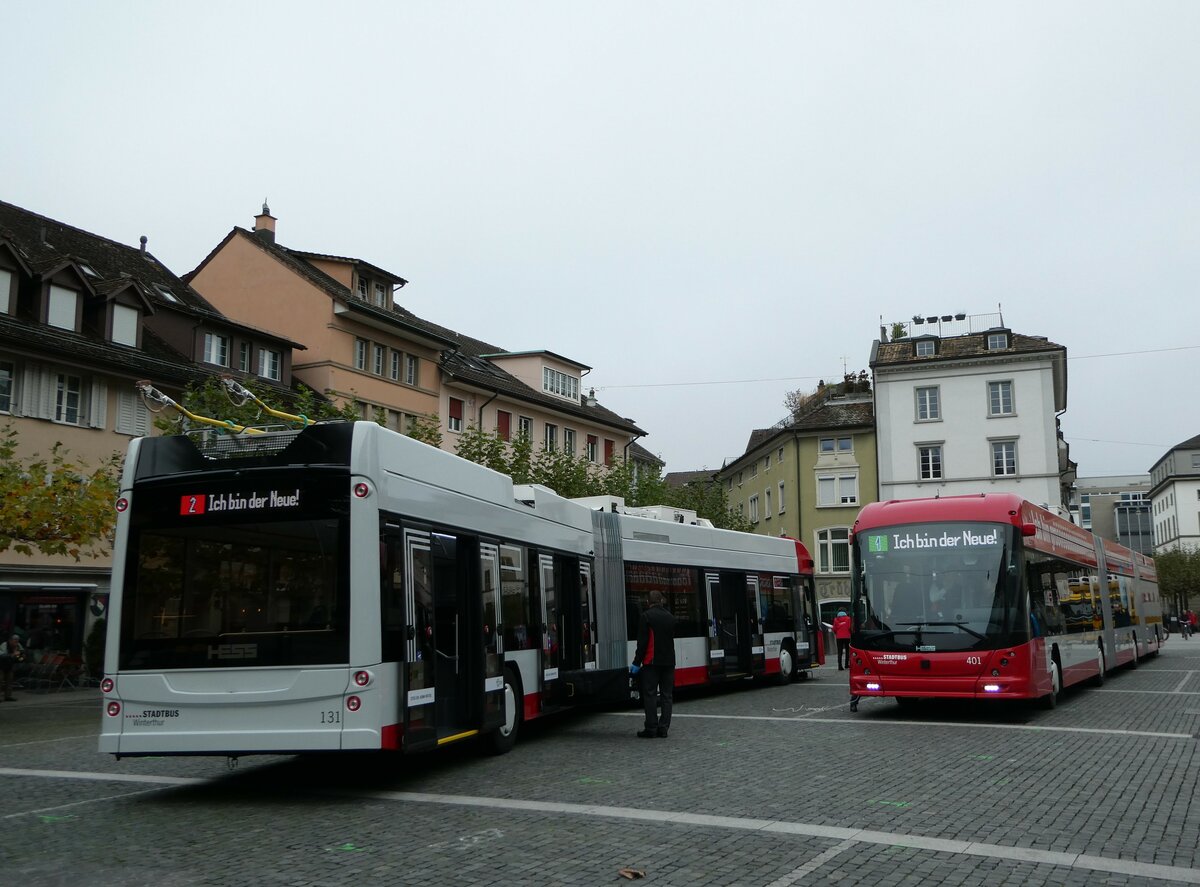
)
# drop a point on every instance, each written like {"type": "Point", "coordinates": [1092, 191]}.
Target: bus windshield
{"type": "Point", "coordinates": [935, 587]}
{"type": "Point", "coordinates": [212, 592]}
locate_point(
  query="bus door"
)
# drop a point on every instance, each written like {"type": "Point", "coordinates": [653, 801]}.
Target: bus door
{"type": "Point", "coordinates": [734, 610]}
{"type": "Point", "coordinates": [587, 618]}
{"type": "Point", "coordinates": [420, 727]}
{"type": "Point", "coordinates": [571, 618]}
{"type": "Point", "coordinates": [493, 636]}
{"type": "Point", "coordinates": [457, 672]}
{"type": "Point", "coordinates": [548, 601]}
{"type": "Point", "coordinates": [716, 652]}
{"type": "Point", "coordinates": [755, 624]}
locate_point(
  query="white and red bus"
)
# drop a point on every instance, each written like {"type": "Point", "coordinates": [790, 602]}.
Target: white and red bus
{"type": "Point", "coordinates": [992, 597]}
{"type": "Point", "coordinates": [346, 587]}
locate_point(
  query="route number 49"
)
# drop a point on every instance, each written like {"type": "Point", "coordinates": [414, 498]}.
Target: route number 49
{"type": "Point", "coordinates": [974, 660]}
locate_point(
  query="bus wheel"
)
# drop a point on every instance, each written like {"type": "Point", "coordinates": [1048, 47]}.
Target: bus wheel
{"type": "Point", "coordinates": [1099, 679]}
{"type": "Point", "coordinates": [504, 737]}
{"type": "Point", "coordinates": [787, 666]}
{"type": "Point", "coordinates": [1050, 700]}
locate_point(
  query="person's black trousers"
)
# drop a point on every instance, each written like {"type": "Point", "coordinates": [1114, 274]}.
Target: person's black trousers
{"type": "Point", "coordinates": [843, 647]}
{"type": "Point", "coordinates": [657, 683]}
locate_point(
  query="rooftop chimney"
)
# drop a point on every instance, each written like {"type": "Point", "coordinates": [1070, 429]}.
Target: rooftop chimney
{"type": "Point", "coordinates": [264, 224]}
{"type": "Point", "coordinates": [143, 240]}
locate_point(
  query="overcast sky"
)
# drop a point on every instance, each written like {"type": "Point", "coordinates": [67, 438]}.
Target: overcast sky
{"type": "Point", "coordinates": [710, 204]}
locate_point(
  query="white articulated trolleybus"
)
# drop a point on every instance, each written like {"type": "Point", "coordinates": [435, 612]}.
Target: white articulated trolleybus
{"type": "Point", "coordinates": [342, 586]}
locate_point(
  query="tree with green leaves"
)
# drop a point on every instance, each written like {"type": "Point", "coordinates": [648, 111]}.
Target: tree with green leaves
{"type": "Point", "coordinates": [55, 505]}
{"type": "Point", "coordinates": [210, 399]}
{"type": "Point", "coordinates": [1178, 576]}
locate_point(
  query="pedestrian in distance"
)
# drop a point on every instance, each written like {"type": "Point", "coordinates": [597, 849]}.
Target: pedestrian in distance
{"type": "Point", "coordinates": [654, 661]}
{"type": "Point", "coordinates": [11, 653]}
{"type": "Point", "coordinates": [1191, 620]}
{"type": "Point", "coordinates": [841, 631]}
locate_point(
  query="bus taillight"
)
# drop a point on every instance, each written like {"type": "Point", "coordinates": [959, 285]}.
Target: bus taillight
{"type": "Point", "coordinates": [361, 490]}
{"type": "Point", "coordinates": [353, 703]}
{"type": "Point", "coordinates": [106, 685]}
{"type": "Point", "coordinates": [113, 709]}
{"type": "Point", "coordinates": [362, 678]}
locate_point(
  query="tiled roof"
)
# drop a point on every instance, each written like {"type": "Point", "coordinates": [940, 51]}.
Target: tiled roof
{"type": "Point", "coordinates": [462, 357]}
{"type": "Point", "coordinates": [684, 478]}
{"type": "Point", "coordinates": [831, 414]}
{"type": "Point", "coordinates": [45, 243]}
{"type": "Point", "coordinates": [901, 351]}
{"type": "Point", "coordinates": [641, 454]}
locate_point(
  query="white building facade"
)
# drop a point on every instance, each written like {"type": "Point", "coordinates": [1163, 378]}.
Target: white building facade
{"type": "Point", "coordinates": [1175, 498]}
{"type": "Point", "coordinates": [971, 412]}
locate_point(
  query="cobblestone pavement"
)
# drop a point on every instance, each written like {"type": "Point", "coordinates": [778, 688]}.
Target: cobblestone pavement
{"type": "Point", "coordinates": [772, 785]}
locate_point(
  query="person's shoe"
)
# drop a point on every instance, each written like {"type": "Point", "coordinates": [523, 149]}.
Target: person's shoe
{"type": "Point", "coordinates": [647, 734]}
{"type": "Point", "coordinates": [840, 668]}
{"type": "Point", "coordinates": [662, 732]}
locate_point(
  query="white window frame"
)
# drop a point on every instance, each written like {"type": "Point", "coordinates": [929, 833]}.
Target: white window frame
{"type": "Point", "coordinates": [767, 504]}
{"type": "Point", "coordinates": [560, 383]}
{"type": "Point", "coordinates": [782, 506]}
{"type": "Point", "coordinates": [525, 426]}
{"type": "Point", "coordinates": [997, 341]}
{"type": "Point", "coordinates": [8, 385]}
{"type": "Point", "coordinates": [6, 277]}
{"type": "Point", "coordinates": [753, 504]}
{"type": "Point", "coordinates": [361, 350]}
{"type": "Point", "coordinates": [1004, 456]}
{"type": "Point", "coordinates": [593, 451]}
{"type": "Point", "coordinates": [550, 437]}
{"type": "Point", "coordinates": [837, 490]}
{"type": "Point", "coordinates": [394, 370]}
{"type": "Point", "coordinates": [999, 391]}
{"type": "Point", "coordinates": [270, 364]}
{"type": "Point", "coordinates": [244, 351]}
{"type": "Point", "coordinates": [452, 422]}
{"type": "Point", "coordinates": [64, 394]}
{"type": "Point", "coordinates": [932, 449]}
{"type": "Point", "coordinates": [216, 349]}
{"type": "Point", "coordinates": [928, 400]}
{"type": "Point", "coordinates": [829, 540]}
{"type": "Point", "coordinates": [378, 359]}
{"type": "Point", "coordinates": [363, 288]}
{"type": "Point", "coordinates": [381, 295]}
{"type": "Point", "coordinates": [411, 369]}
{"type": "Point", "coordinates": [569, 441]}
{"type": "Point", "coordinates": [925, 348]}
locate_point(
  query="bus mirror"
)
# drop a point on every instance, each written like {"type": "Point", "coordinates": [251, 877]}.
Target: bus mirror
{"type": "Point", "coordinates": [1028, 530]}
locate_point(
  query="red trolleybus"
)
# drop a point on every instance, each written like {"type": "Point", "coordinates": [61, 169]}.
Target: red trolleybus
{"type": "Point", "coordinates": [990, 596]}
{"type": "Point", "coordinates": [345, 587]}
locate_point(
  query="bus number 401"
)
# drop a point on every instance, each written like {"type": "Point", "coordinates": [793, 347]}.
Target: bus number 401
{"type": "Point", "coordinates": [974, 660]}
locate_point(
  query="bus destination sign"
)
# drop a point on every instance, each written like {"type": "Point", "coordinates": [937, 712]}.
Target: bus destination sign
{"type": "Point", "coordinates": [908, 541]}
{"type": "Point", "coordinates": [203, 503]}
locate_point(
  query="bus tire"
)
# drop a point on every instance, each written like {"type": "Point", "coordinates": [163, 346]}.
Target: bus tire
{"type": "Point", "coordinates": [504, 737]}
{"type": "Point", "coordinates": [787, 666]}
{"type": "Point", "coordinates": [1098, 680]}
{"type": "Point", "coordinates": [1050, 700]}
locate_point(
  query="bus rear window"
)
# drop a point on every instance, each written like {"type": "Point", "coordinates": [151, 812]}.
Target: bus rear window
{"type": "Point", "coordinates": [247, 594]}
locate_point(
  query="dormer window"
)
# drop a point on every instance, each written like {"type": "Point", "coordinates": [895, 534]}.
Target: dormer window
{"type": "Point", "coordinates": [926, 347]}
{"type": "Point", "coordinates": [87, 269]}
{"type": "Point", "coordinates": [269, 363]}
{"type": "Point", "coordinates": [561, 384]}
{"type": "Point", "coordinates": [63, 308]}
{"type": "Point", "coordinates": [997, 341]}
{"type": "Point", "coordinates": [380, 295]}
{"type": "Point", "coordinates": [6, 288]}
{"type": "Point", "coordinates": [125, 325]}
{"type": "Point", "coordinates": [362, 288]}
{"type": "Point", "coordinates": [216, 349]}
{"type": "Point", "coordinates": [165, 293]}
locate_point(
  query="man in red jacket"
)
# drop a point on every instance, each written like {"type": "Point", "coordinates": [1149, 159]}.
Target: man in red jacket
{"type": "Point", "coordinates": [841, 631]}
{"type": "Point", "coordinates": [655, 660]}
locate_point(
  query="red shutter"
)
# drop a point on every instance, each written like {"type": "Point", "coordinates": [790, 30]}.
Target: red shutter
{"type": "Point", "coordinates": [456, 406]}
{"type": "Point", "coordinates": [503, 424]}
{"type": "Point", "coordinates": [608, 451]}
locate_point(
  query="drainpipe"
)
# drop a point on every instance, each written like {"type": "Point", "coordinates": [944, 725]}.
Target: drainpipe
{"type": "Point", "coordinates": [495, 394]}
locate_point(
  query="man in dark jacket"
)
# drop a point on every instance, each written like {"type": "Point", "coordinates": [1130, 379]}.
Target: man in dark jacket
{"type": "Point", "coordinates": [654, 659]}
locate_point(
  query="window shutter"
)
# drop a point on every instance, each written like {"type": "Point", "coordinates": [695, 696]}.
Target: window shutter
{"type": "Point", "coordinates": [503, 424]}
{"type": "Point", "coordinates": [28, 385]}
{"type": "Point", "coordinates": [98, 406]}
{"type": "Point", "coordinates": [456, 408]}
{"type": "Point", "coordinates": [132, 415]}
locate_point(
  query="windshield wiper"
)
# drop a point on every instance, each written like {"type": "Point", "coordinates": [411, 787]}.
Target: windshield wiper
{"type": "Point", "coordinates": [961, 625]}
